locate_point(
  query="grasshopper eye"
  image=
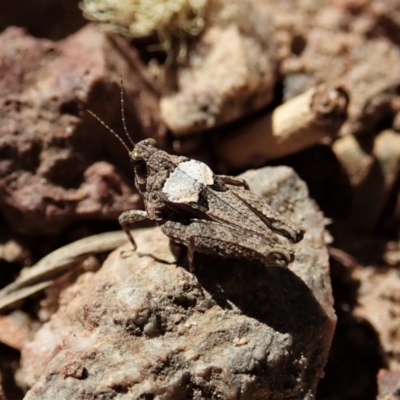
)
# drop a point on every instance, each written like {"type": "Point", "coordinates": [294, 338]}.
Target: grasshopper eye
{"type": "Point", "coordinates": [136, 156]}
{"type": "Point", "coordinates": [151, 141]}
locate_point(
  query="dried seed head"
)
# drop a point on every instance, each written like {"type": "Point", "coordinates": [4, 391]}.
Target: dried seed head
{"type": "Point", "coordinates": [138, 18]}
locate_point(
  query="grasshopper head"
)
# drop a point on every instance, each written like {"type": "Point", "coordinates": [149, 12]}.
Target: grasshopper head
{"type": "Point", "coordinates": [143, 151]}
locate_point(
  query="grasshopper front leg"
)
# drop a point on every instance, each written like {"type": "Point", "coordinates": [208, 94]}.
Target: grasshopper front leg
{"type": "Point", "coordinates": [223, 240]}
{"type": "Point", "coordinates": [127, 219]}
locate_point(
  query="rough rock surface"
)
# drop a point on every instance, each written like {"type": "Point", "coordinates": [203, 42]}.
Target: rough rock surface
{"type": "Point", "coordinates": [144, 327]}
{"type": "Point", "coordinates": [57, 164]}
{"type": "Point", "coordinates": [340, 42]}
{"type": "Point", "coordinates": [321, 42]}
{"type": "Point", "coordinates": [388, 384]}
{"type": "Point", "coordinates": [373, 94]}
{"type": "Point", "coordinates": [372, 166]}
{"type": "Point", "coordinates": [379, 289]}
{"type": "Point", "coordinates": [230, 73]}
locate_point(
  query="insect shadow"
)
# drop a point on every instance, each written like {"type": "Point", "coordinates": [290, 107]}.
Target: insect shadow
{"type": "Point", "coordinates": [274, 296]}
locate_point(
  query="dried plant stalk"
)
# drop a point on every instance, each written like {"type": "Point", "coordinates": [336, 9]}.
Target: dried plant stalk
{"type": "Point", "coordinates": [293, 126]}
{"type": "Point", "coordinates": [42, 275]}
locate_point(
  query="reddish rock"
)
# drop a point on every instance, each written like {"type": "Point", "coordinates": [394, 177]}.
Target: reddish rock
{"type": "Point", "coordinates": [57, 164]}
{"type": "Point", "coordinates": [378, 303]}
{"type": "Point", "coordinates": [16, 328]}
{"type": "Point", "coordinates": [388, 385]}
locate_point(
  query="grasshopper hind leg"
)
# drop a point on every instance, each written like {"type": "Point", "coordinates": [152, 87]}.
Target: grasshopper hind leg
{"type": "Point", "coordinates": [190, 255]}
{"type": "Point", "coordinates": [222, 240]}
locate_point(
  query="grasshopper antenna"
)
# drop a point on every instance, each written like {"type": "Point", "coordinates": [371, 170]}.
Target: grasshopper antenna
{"type": "Point", "coordinates": [109, 129]}
{"type": "Point", "coordinates": [123, 113]}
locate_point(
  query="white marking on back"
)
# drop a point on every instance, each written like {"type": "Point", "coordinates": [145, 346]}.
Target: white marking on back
{"type": "Point", "coordinates": [185, 183]}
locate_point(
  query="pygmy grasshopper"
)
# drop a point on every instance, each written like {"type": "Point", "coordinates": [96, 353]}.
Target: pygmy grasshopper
{"type": "Point", "coordinates": [208, 213]}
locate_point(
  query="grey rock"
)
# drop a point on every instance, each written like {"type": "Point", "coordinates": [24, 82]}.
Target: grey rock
{"type": "Point", "coordinates": [144, 327]}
